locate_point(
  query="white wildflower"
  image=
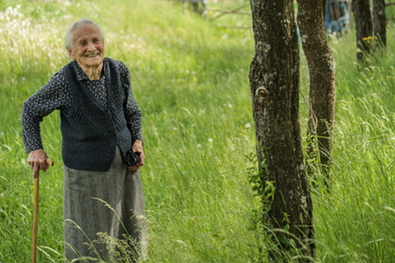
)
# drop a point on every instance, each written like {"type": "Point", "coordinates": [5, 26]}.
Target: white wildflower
{"type": "Point", "coordinates": [248, 125]}
{"type": "Point", "coordinates": [210, 140]}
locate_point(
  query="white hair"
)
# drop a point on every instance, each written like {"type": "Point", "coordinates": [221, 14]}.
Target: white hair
{"type": "Point", "coordinates": [68, 43]}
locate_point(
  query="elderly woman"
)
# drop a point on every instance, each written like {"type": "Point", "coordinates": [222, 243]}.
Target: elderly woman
{"type": "Point", "coordinates": [100, 124]}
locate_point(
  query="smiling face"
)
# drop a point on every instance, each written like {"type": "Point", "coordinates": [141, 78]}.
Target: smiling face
{"type": "Point", "coordinates": [88, 47]}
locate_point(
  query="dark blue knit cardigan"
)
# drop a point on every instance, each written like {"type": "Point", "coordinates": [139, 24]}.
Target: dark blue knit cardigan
{"type": "Point", "coordinates": [92, 131]}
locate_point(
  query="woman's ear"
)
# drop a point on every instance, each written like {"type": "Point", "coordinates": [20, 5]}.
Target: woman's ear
{"type": "Point", "coordinates": [70, 53]}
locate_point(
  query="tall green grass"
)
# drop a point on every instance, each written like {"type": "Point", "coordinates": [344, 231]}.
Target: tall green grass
{"type": "Point", "coordinates": [355, 222]}
{"type": "Point", "coordinates": [190, 78]}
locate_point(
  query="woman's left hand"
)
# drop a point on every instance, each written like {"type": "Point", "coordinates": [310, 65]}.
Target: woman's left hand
{"type": "Point", "coordinates": [137, 147]}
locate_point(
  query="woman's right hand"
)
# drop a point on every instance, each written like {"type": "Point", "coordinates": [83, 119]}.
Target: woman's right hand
{"type": "Point", "coordinates": [37, 162]}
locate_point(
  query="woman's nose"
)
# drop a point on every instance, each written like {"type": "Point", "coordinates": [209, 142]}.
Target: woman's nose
{"type": "Point", "coordinates": [91, 46]}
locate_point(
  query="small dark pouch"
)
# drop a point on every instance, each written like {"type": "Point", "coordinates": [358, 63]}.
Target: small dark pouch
{"type": "Point", "coordinates": [132, 158]}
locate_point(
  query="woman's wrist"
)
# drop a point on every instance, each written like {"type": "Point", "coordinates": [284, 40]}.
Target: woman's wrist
{"type": "Point", "coordinates": [138, 146]}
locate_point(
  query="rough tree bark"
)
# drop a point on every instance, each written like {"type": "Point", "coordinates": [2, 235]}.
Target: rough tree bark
{"type": "Point", "coordinates": [379, 23]}
{"type": "Point", "coordinates": [322, 81]}
{"type": "Point", "coordinates": [274, 80]}
{"type": "Point", "coordinates": [363, 26]}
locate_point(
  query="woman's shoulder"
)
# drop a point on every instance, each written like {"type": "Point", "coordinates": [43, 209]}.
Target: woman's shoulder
{"type": "Point", "coordinates": [60, 76]}
{"type": "Point", "coordinates": [118, 64]}
{"type": "Point", "coordinates": [58, 82]}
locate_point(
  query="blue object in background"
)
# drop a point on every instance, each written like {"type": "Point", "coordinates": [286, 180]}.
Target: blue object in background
{"type": "Point", "coordinates": [336, 17]}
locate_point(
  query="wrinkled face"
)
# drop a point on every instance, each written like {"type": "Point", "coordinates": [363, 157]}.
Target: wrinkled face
{"type": "Point", "coordinates": [88, 47]}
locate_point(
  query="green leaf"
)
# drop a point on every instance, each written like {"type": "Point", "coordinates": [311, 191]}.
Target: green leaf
{"type": "Point", "coordinates": [283, 239]}
{"type": "Point", "coordinates": [292, 242]}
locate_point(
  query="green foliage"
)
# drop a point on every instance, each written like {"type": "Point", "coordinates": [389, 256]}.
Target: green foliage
{"type": "Point", "coordinates": [191, 83]}
{"type": "Point", "coordinates": [353, 222]}
{"type": "Point", "coordinates": [190, 79]}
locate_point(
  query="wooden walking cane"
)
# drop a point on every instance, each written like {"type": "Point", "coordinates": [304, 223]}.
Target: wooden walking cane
{"type": "Point", "coordinates": [36, 186]}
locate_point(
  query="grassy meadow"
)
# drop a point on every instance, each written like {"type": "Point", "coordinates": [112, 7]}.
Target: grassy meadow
{"type": "Point", "coordinates": [190, 79]}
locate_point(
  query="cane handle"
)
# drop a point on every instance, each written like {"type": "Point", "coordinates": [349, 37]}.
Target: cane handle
{"type": "Point", "coordinates": [49, 162]}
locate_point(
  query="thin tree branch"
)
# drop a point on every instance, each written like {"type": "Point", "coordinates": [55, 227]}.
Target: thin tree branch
{"type": "Point", "coordinates": [236, 9]}
{"type": "Point", "coordinates": [229, 11]}
{"type": "Point", "coordinates": [237, 27]}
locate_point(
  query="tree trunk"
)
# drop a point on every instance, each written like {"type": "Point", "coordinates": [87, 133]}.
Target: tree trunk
{"type": "Point", "coordinates": [363, 26]}
{"type": "Point", "coordinates": [274, 80]}
{"type": "Point", "coordinates": [322, 82]}
{"type": "Point", "coordinates": [379, 23]}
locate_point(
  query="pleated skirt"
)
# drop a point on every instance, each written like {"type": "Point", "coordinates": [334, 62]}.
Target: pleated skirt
{"type": "Point", "coordinates": [104, 214]}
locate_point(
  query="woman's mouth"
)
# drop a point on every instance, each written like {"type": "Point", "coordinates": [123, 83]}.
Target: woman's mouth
{"type": "Point", "coordinates": [92, 56]}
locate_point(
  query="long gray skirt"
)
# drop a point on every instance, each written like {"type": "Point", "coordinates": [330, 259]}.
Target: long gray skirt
{"type": "Point", "coordinates": [111, 203]}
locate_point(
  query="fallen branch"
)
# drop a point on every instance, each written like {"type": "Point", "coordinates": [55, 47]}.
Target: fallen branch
{"type": "Point", "coordinates": [191, 1]}
{"type": "Point", "coordinates": [237, 27]}
{"type": "Point", "coordinates": [388, 4]}
{"type": "Point", "coordinates": [230, 11]}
